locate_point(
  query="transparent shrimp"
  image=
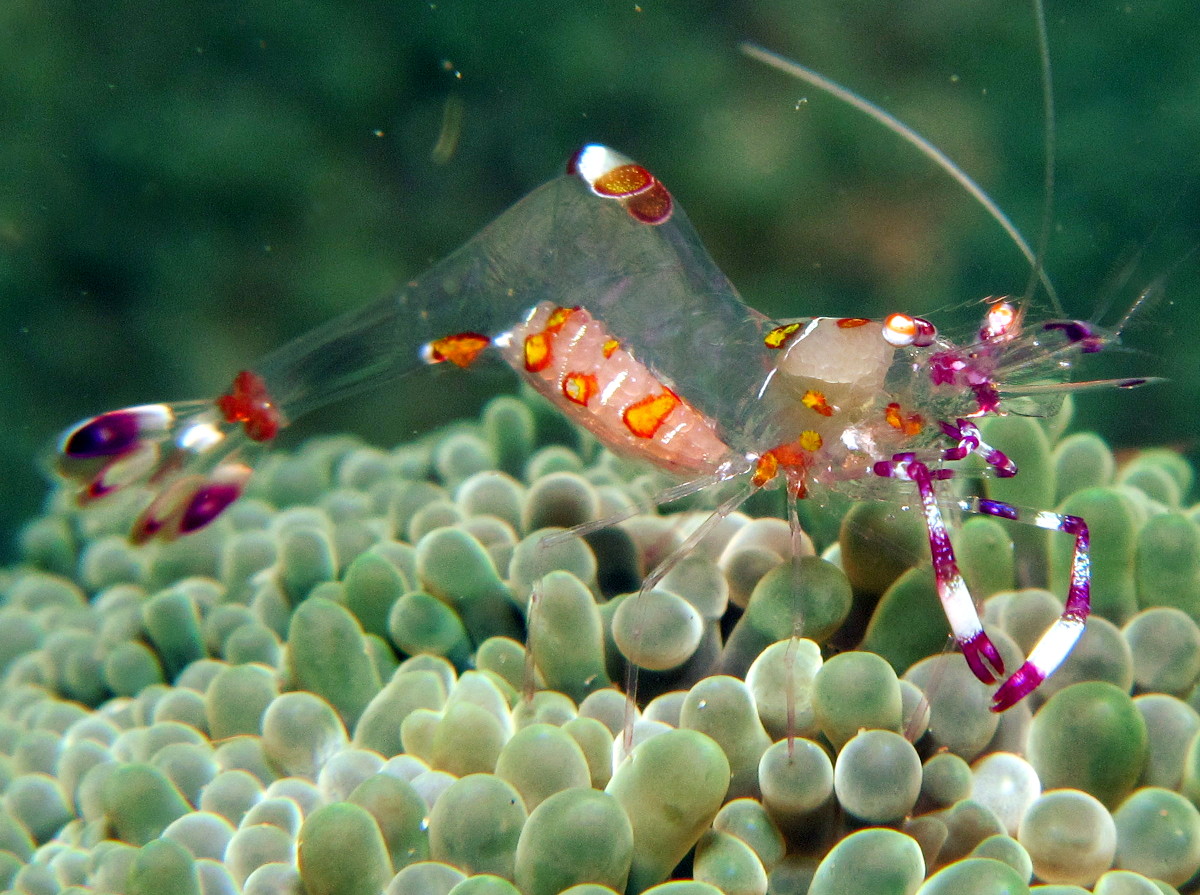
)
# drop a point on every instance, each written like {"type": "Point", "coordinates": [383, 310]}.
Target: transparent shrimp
{"type": "Point", "coordinates": [597, 290]}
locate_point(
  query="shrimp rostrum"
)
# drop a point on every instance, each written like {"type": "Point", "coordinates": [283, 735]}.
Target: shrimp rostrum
{"type": "Point", "coordinates": [596, 290]}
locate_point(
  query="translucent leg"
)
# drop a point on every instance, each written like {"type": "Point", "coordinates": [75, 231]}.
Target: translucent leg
{"type": "Point", "coordinates": [656, 575]}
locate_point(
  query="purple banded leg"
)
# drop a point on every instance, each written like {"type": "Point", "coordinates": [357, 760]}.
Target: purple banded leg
{"type": "Point", "coordinates": [981, 655]}
{"type": "Point", "coordinates": [1056, 644]}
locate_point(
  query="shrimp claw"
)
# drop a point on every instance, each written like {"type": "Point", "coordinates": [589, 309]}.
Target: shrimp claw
{"type": "Point", "coordinates": [977, 648]}
{"type": "Point", "coordinates": [1056, 644]}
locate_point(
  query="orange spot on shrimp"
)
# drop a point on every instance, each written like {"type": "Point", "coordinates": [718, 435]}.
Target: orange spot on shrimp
{"type": "Point", "coordinates": [622, 181]}
{"type": "Point", "coordinates": [910, 425]}
{"type": "Point", "coordinates": [460, 349]}
{"type": "Point", "coordinates": [810, 440]}
{"type": "Point", "coordinates": [580, 388]}
{"type": "Point", "coordinates": [793, 459]}
{"type": "Point", "coordinates": [558, 319]}
{"type": "Point", "coordinates": [765, 469]}
{"type": "Point", "coordinates": [248, 402]}
{"type": "Point", "coordinates": [779, 336]}
{"type": "Point", "coordinates": [815, 401]}
{"type": "Point", "coordinates": [852, 322]}
{"type": "Point", "coordinates": [537, 352]}
{"type": "Point", "coordinates": [609, 348]}
{"type": "Point", "coordinates": [644, 418]}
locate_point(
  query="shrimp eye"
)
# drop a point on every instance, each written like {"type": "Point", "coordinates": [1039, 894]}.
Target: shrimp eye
{"type": "Point", "coordinates": [903, 330]}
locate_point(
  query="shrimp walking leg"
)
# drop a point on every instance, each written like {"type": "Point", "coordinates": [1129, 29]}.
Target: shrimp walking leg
{"type": "Point", "coordinates": [978, 649]}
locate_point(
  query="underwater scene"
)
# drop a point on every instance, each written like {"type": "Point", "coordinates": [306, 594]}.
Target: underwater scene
{"type": "Point", "coordinates": [367, 626]}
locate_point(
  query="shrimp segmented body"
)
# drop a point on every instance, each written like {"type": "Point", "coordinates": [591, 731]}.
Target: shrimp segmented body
{"type": "Point", "coordinates": [596, 289]}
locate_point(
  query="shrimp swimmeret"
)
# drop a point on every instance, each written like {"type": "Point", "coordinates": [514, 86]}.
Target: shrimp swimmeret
{"type": "Point", "coordinates": [596, 289]}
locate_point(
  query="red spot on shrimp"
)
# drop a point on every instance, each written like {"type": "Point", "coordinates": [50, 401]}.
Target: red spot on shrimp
{"type": "Point", "coordinates": [248, 402]}
{"type": "Point", "coordinates": [537, 352]}
{"type": "Point", "coordinates": [652, 206]}
{"type": "Point", "coordinates": [580, 388]}
{"type": "Point", "coordinates": [460, 349]}
{"type": "Point", "coordinates": [643, 418]}
{"type": "Point", "coordinates": [852, 322]}
{"type": "Point", "coordinates": [781, 335]}
{"type": "Point", "coordinates": [815, 401]}
{"type": "Point", "coordinates": [609, 348]}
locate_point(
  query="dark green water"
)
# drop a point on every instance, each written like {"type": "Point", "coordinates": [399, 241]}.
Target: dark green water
{"type": "Point", "coordinates": [185, 185]}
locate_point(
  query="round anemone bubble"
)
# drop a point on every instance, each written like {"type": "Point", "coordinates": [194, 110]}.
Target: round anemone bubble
{"type": "Point", "coordinates": [1124, 882]}
{"type": "Point", "coordinates": [400, 813]}
{"type": "Point", "coordinates": [959, 716]}
{"type": "Point", "coordinates": [1158, 835]}
{"type": "Point", "coordinates": [796, 779]}
{"type": "Point", "coordinates": [879, 861]}
{"type": "Point", "coordinates": [699, 580]}
{"type": "Point", "coordinates": [486, 884]}
{"type": "Point", "coordinates": [327, 655]}
{"type": "Point", "coordinates": [237, 698]}
{"type": "Point", "coordinates": [140, 802]}
{"type": "Point", "coordinates": [1070, 836]}
{"type": "Point", "coordinates": [541, 760]}
{"type": "Point", "coordinates": [975, 876]}
{"type": "Point", "coordinates": [335, 838]}
{"type": "Point", "coordinates": [559, 500]}
{"type": "Point", "coordinates": [255, 845]}
{"type": "Point", "coordinates": [36, 801]}
{"type": "Point", "coordinates": [657, 630]}
{"type": "Point", "coordinates": [1007, 784]}
{"type": "Point", "coordinates": [475, 825]}
{"type": "Point", "coordinates": [856, 690]}
{"type": "Point", "coordinates": [747, 820]}
{"type": "Point", "coordinates": [161, 866]}
{"type": "Point", "coordinates": [722, 707]}
{"type": "Point", "coordinates": [425, 878]}
{"type": "Point", "coordinates": [1008, 850]}
{"type": "Point", "coordinates": [783, 673]}
{"type": "Point", "coordinates": [575, 836]}
{"type": "Point", "coordinates": [1165, 644]}
{"type": "Point", "coordinates": [1172, 726]}
{"type": "Point", "coordinates": [945, 779]}
{"type": "Point", "coordinates": [1102, 654]}
{"type": "Point", "coordinates": [1089, 736]}
{"type": "Point", "coordinates": [729, 864]}
{"type": "Point", "coordinates": [300, 732]}
{"type": "Point", "coordinates": [877, 777]}
{"type": "Point", "coordinates": [671, 788]}
{"type": "Point", "coordinates": [566, 636]}
{"type": "Point", "coordinates": [492, 493]}
{"type": "Point", "coordinates": [808, 588]}
{"type": "Point", "coordinates": [967, 824]}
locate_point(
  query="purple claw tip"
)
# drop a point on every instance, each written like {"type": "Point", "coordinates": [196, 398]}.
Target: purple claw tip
{"type": "Point", "coordinates": [1016, 688]}
{"type": "Point", "coordinates": [107, 435]}
{"type": "Point", "coordinates": [207, 504]}
{"type": "Point", "coordinates": [983, 658]}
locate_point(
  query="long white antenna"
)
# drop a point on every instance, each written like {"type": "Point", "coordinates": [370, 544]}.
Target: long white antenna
{"type": "Point", "coordinates": [898, 127]}
{"type": "Point", "coordinates": [1048, 153]}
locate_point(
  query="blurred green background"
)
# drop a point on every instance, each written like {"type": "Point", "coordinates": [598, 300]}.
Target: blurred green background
{"type": "Point", "coordinates": [187, 185]}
